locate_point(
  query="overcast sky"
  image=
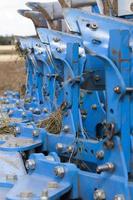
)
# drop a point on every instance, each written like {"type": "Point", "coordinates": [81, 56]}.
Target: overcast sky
{"type": "Point", "coordinates": [11, 22]}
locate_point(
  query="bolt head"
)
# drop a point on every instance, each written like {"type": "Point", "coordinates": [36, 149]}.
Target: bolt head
{"type": "Point", "coordinates": [59, 49]}
{"type": "Point", "coordinates": [111, 166]}
{"type": "Point", "coordinates": [31, 109]}
{"type": "Point", "coordinates": [34, 98]}
{"type": "Point", "coordinates": [17, 102]}
{"type": "Point", "coordinates": [14, 95]}
{"type": "Point", "coordinates": [30, 164]}
{"type": "Point", "coordinates": [50, 158]}
{"type": "Point", "coordinates": [100, 155]}
{"type": "Point", "coordinates": [117, 90]}
{"type": "Point", "coordinates": [45, 110]}
{"type": "Point", "coordinates": [35, 133]}
{"type": "Point", "coordinates": [23, 114]}
{"type": "Point", "coordinates": [66, 129]}
{"type": "Point", "coordinates": [109, 144]}
{"type": "Point", "coordinates": [7, 101]}
{"type": "Point", "coordinates": [99, 194]}
{"type": "Point", "coordinates": [5, 93]}
{"type": "Point", "coordinates": [10, 112]}
{"type": "Point", "coordinates": [56, 39]}
{"type": "Point", "coordinates": [93, 26]}
{"type": "Point", "coordinates": [17, 130]}
{"type": "Point", "coordinates": [59, 171]}
{"type": "Point", "coordinates": [37, 111]}
{"type": "Point", "coordinates": [94, 107]}
{"type": "Point", "coordinates": [59, 146]}
{"type": "Point", "coordinates": [97, 78]}
{"type": "Point", "coordinates": [70, 149]}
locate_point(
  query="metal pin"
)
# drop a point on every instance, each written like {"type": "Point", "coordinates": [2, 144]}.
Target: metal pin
{"type": "Point", "coordinates": [106, 167]}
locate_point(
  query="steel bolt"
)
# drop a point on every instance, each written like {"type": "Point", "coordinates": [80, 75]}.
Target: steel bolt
{"type": "Point", "coordinates": [50, 158]}
{"type": "Point", "coordinates": [56, 39]}
{"type": "Point", "coordinates": [14, 95]}
{"type": "Point", "coordinates": [70, 149]}
{"type": "Point", "coordinates": [117, 90]}
{"type": "Point", "coordinates": [109, 144]}
{"type": "Point", "coordinates": [93, 26]}
{"type": "Point", "coordinates": [7, 101]}
{"type": "Point", "coordinates": [31, 109]}
{"type": "Point", "coordinates": [30, 164]}
{"type": "Point", "coordinates": [106, 167]}
{"type": "Point", "coordinates": [94, 107]}
{"type": "Point", "coordinates": [35, 133]}
{"type": "Point", "coordinates": [17, 130]}
{"type": "Point", "coordinates": [97, 78]}
{"type": "Point", "coordinates": [59, 147]}
{"type": "Point", "coordinates": [66, 128]}
{"type": "Point", "coordinates": [34, 98]}
{"type": "Point", "coordinates": [45, 110]}
{"type": "Point", "coordinates": [10, 112]}
{"type": "Point", "coordinates": [100, 155]}
{"type": "Point", "coordinates": [59, 50]}
{"type": "Point", "coordinates": [37, 111]}
{"type": "Point", "coordinates": [17, 102]}
{"type": "Point", "coordinates": [59, 171]}
{"type": "Point", "coordinates": [5, 93]}
{"type": "Point", "coordinates": [23, 114]}
{"type": "Point", "coordinates": [99, 194]}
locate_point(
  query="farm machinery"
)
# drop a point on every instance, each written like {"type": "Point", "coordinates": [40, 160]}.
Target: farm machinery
{"type": "Point", "coordinates": [69, 133]}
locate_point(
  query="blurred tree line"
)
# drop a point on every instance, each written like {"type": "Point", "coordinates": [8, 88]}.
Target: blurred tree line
{"type": "Point", "coordinates": [7, 40]}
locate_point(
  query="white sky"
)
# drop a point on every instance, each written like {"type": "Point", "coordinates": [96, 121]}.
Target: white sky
{"type": "Point", "coordinates": [13, 23]}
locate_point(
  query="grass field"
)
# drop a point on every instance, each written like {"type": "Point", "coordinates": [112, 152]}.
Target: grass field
{"type": "Point", "coordinates": [12, 74]}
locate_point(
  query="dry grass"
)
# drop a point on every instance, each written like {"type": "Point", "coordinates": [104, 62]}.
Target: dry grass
{"type": "Point", "coordinates": [12, 74]}
{"type": "Point", "coordinates": [7, 49]}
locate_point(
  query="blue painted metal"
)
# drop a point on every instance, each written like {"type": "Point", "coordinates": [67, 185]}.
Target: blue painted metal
{"type": "Point", "coordinates": [92, 74]}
